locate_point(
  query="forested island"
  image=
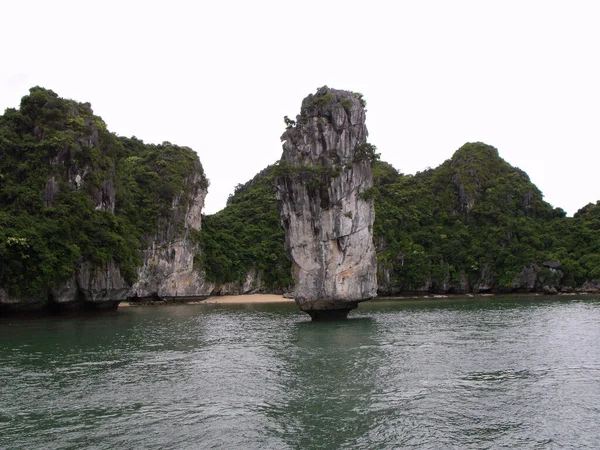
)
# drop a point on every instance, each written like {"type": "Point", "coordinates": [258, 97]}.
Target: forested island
{"type": "Point", "coordinates": [89, 219]}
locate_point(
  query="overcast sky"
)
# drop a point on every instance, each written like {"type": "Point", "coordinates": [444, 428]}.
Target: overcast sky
{"type": "Point", "coordinates": [218, 76]}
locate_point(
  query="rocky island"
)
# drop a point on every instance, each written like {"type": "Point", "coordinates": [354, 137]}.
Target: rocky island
{"type": "Point", "coordinates": [322, 190]}
{"type": "Point", "coordinates": [89, 219]}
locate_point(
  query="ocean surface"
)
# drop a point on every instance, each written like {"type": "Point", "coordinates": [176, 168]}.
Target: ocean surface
{"type": "Point", "coordinates": [502, 372]}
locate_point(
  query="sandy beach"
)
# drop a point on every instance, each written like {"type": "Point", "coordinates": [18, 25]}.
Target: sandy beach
{"type": "Point", "coordinates": [251, 298]}
{"type": "Point", "coordinates": [275, 298]}
{"type": "Point", "coordinates": [225, 299]}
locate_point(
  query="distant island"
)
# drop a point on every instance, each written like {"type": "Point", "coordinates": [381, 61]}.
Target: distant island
{"type": "Point", "coordinates": [89, 219]}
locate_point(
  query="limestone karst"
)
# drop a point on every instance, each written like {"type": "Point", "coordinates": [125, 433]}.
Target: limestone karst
{"type": "Point", "coordinates": [325, 177]}
{"type": "Point", "coordinates": [88, 218]}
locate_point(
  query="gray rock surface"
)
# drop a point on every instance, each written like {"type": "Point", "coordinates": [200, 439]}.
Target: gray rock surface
{"type": "Point", "coordinates": [21, 303]}
{"type": "Point", "coordinates": [539, 279]}
{"type": "Point", "coordinates": [92, 286]}
{"type": "Point", "coordinates": [101, 285]}
{"type": "Point", "coordinates": [328, 220]}
{"type": "Point", "coordinates": [168, 260]}
{"type": "Point", "coordinates": [78, 171]}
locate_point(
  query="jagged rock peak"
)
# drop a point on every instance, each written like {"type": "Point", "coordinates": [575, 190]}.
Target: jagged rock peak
{"type": "Point", "coordinates": [330, 125]}
{"type": "Point", "coordinates": [325, 178]}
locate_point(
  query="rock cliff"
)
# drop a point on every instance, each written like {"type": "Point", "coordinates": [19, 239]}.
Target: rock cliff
{"type": "Point", "coordinates": [167, 269]}
{"type": "Point", "coordinates": [322, 190]}
{"type": "Point", "coordinates": [61, 159]}
{"type": "Point", "coordinates": [92, 286]}
{"type": "Point", "coordinates": [89, 219]}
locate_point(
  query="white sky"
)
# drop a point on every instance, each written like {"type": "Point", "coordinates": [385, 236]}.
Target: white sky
{"type": "Point", "coordinates": [218, 76]}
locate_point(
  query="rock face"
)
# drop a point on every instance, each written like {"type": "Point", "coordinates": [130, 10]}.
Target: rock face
{"type": "Point", "coordinates": [97, 218]}
{"type": "Point", "coordinates": [167, 269]}
{"type": "Point", "coordinates": [323, 193]}
{"type": "Point", "coordinates": [92, 286]}
{"type": "Point", "coordinates": [168, 260]}
{"type": "Point", "coordinates": [546, 279]}
{"type": "Point", "coordinates": [80, 162]}
{"type": "Point", "coordinates": [75, 167]}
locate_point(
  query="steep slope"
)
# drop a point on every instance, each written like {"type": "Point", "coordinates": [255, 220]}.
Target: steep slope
{"type": "Point", "coordinates": [473, 224]}
{"type": "Point", "coordinates": [162, 191]}
{"type": "Point", "coordinates": [324, 170]}
{"type": "Point", "coordinates": [82, 212]}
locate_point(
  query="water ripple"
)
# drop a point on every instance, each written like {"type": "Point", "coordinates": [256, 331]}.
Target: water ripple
{"type": "Point", "coordinates": [503, 373]}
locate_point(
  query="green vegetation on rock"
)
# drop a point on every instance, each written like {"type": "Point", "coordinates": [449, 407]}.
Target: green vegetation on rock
{"type": "Point", "coordinates": [72, 192]}
{"type": "Point", "coordinates": [150, 177]}
{"type": "Point", "coordinates": [247, 236]}
{"type": "Point", "coordinates": [472, 224]}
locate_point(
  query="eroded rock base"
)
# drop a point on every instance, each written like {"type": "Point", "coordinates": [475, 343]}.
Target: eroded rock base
{"type": "Point", "coordinates": [329, 315]}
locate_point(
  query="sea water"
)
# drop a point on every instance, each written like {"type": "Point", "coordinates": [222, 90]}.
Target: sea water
{"type": "Point", "coordinates": [453, 373]}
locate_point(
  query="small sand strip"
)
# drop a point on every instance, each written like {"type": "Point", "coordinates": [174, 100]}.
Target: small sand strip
{"type": "Point", "coordinates": [219, 299]}
{"type": "Point", "coordinates": [245, 299]}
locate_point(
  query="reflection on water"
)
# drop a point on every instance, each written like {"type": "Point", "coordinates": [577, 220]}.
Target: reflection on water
{"type": "Point", "coordinates": [332, 369]}
{"type": "Point", "coordinates": [500, 372]}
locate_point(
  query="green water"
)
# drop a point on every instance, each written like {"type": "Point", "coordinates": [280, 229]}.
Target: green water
{"type": "Point", "coordinates": [492, 373]}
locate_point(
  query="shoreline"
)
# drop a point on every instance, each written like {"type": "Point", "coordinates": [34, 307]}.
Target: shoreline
{"type": "Point", "coordinates": [248, 299]}
{"type": "Point", "coordinates": [242, 299]}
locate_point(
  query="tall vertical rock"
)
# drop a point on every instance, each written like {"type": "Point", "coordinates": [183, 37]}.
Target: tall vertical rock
{"type": "Point", "coordinates": [326, 211]}
{"type": "Point", "coordinates": [167, 269]}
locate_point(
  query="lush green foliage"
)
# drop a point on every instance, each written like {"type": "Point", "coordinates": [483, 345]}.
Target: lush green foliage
{"type": "Point", "coordinates": [364, 152]}
{"type": "Point", "coordinates": [149, 177]}
{"type": "Point", "coordinates": [323, 99]}
{"type": "Point", "coordinates": [576, 244]}
{"type": "Point", "coordinates": [58, 163]}
{"type": "Point", "coordinates": [247, 235]}
{"type": "Point", "coordinates": [474, 218]}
